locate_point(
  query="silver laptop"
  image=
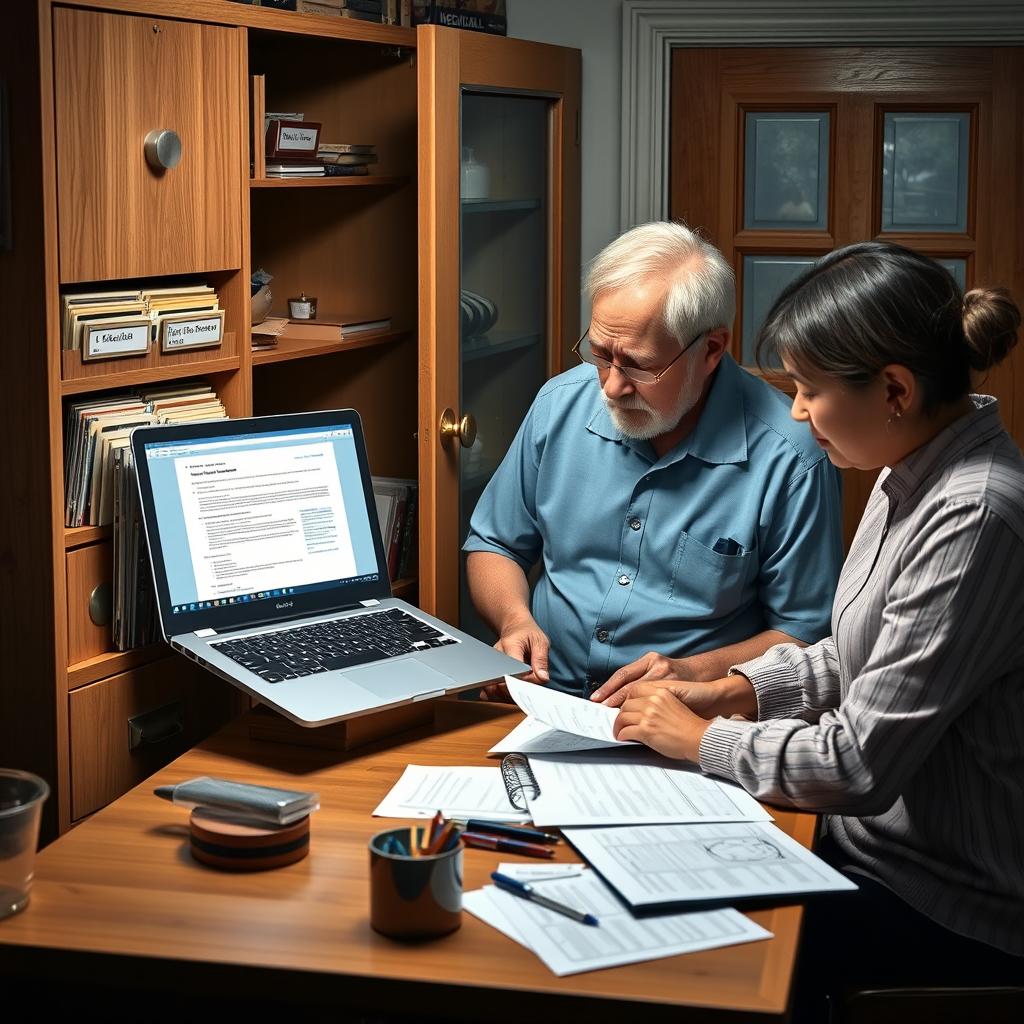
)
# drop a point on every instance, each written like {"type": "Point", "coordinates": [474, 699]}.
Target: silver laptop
{"type": "Point", "coordinates": [270, 571]}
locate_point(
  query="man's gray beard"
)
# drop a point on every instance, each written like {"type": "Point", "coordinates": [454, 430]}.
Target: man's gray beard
{"type": "Point", "coordinates": [652, 425]}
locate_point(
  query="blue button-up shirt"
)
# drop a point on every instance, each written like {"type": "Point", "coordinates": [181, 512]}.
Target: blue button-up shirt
{"type": "Point", "coordinates": [734, 531]}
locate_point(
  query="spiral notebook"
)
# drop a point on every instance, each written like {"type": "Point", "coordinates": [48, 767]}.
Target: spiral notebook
{"type": "Point", "coordinates": [519, 780]}
{"type": "Point", "coordinates": [626, 786]}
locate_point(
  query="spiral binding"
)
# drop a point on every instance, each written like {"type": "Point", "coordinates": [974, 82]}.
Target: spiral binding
{"type": "Point", "coordinates": [520, 783]}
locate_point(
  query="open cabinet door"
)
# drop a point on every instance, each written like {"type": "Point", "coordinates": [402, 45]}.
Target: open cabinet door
{"type": "Point", "coordinates": [499, 171]}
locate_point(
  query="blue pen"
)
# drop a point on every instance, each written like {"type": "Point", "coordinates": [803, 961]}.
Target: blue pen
{"type": "Point", "coordinates": [397, 846]}
{"type": "Point", "coordinates": [527, 892]}
{"type": "Point", "coordinates": [529, 834]}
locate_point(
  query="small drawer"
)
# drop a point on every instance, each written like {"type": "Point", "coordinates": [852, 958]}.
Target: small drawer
{"type": "Point", "coordinates": [128, 726]}
{"type": "Point", "coordinates": [90, 601]}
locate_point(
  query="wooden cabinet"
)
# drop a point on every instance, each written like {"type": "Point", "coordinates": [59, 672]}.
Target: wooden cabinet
{"type": "Point", "coordinates": [92, 78]}
{"type": "Point", "coordinates": [118, 78]}
{"type": "Point", "coordinates": [499, 230]}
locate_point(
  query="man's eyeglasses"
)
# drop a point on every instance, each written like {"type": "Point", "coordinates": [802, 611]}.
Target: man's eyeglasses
{"type": "Point", "coordinates": [583, 349]}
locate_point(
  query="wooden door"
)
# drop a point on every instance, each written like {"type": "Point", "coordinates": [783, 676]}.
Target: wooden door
{"type": "Point", "coordinates": [781, 155]}
{"type": "Point", "coordinates": [116, 79]}
{"type": "Point", "coordinates": [499, 269]}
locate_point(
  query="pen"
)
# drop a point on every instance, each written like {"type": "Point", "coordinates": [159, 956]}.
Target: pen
{"type": "Point", "coordinates": [518, 888]}
{"type": "Point", "coordinates": [512, 831]}
{"type": "Point", "coordinates": [440, 841]}
{"type": "Point", "coordinates": [482, 842]}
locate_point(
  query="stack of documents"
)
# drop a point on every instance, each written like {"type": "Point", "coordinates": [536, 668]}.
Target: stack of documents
{"type": "Point", "coordinates": [569, 947]}
{"type": "Point", "coordinates": [81, 309]}
{"type": "Point", "coordinates": [94, 429]}
{"type": "Point", "coordinates": [100, 487]}
{"type": "Point", "coordinates": [660, 832]}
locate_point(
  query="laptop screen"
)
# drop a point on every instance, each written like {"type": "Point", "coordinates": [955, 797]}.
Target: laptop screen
{"type": "Point", "coordinates": [257, 518]}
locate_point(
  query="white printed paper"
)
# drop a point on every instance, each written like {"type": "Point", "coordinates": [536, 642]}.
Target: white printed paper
{"type": "Point", "coordinates": [661, 864]}
{"type": "Point", "coordinates": [533, 737]}
{"type": "Point", "coordinates": [565, 712]}
{"type": "Point", "coordinates": [569, 947]}
{"type": "Point", "coordinates": [456, 792]}
{"type": "Point", "coordinates": [630, 787]}
{"type": "Point", "coordinates": [536, 872]}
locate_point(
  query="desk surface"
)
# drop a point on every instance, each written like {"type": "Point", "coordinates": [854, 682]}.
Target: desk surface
{"type": "Point", "coordinates": [120, 899]}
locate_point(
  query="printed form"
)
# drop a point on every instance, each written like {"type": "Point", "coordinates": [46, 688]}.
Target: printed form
{"type": "Point", "coordinates": [626, 787]}
{"type": "Point", "coordinates": [569, 947]}
{"type": "Point", "coordinates": [261, 520]}
{"type": "Point", "coordinates": [664, 864]}
{"type": "Point", "coordinates": [533, 737]}
{"type": "Point", "coordinates": [456, 792]}
{"type": "Point", "coordinates": [565, 712]}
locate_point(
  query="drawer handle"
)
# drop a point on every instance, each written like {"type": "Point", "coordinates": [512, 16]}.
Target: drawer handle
{"type": "Point", "coordinates": [156, 726]}
{"type": "Point", "coordinates": [163, 149]}
{"type": "Point", "coordinates": [101, 604]}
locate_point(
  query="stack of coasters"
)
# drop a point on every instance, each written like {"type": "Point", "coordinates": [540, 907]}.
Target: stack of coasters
{"type": "Point", "coordinates": [236, 826]}
{"type": "Point", "coordinates": [232, 846]}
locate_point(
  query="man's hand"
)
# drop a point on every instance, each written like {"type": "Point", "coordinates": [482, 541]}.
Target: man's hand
{"type": "Point", "coordinates": [659, 719]}
{"type": "Point", "coordinates": [651, 666]}
{"type": "Point", "coordinates": [524, 641]}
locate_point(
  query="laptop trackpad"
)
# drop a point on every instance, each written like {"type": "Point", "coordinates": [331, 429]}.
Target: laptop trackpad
{"type": "Point", "coordinates": [399, 679]}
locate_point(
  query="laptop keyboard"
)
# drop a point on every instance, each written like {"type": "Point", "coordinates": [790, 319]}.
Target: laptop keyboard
{"type": "Point", "coordinates": [338, 644]}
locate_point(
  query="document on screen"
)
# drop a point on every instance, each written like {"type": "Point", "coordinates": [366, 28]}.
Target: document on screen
{"type": "Point", "coordinates": [261, 520]}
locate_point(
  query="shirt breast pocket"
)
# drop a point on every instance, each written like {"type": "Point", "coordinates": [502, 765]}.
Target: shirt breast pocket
{"type": "Point", "coordinates": [709, 582]}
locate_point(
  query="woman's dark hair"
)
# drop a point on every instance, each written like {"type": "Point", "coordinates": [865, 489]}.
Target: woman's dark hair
{"type": "Point", "coordinates": [865, 306]}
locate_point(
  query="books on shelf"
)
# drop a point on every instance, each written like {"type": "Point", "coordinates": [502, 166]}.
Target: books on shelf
{"type": "Point", "coordinates": [100, 489]}
{"type": "Point", "coordinates": [327, 329]}
{"type": "Point", "coordinates": [265, 333]}
{"type": "Point", "coordinates": [396, 513]}
{"type": "Point", "coordinates": [307, 169]}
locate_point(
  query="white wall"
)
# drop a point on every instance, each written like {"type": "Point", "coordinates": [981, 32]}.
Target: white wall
{"type": "Point", "coordinates": [595, 27]}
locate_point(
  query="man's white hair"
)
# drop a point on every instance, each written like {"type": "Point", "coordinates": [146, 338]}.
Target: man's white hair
{"type": "Point", "coordinates": [702, 288]}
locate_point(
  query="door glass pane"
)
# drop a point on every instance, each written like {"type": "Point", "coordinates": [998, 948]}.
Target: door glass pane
{"type": "Point", "coordinates": [504, 275]}
{"type": "Point", "coordinates": [786, 170]}
{"type": "Point", "coordinates": [924, 171]}
{"type": "Point", "coordinates": [764, 278]}
{"type": "Point", "coordinates": [958, 268]}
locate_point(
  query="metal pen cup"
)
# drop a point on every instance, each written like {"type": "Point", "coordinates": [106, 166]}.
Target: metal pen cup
{"type": "Point", "coordinates": [414, 897]}
{"type": "Point", "coordinates": [21, 803]}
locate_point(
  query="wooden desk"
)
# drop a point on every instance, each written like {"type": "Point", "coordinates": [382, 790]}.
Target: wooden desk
{"type": "Point", "coordinates": [118, 905]}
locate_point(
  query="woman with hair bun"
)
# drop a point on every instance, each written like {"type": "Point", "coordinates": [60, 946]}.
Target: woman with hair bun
{"type": "Point", "coordinates": [906, 726]}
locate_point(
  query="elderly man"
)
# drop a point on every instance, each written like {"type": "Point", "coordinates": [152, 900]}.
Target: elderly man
{"type": "Point", "coordinates": [673, 503]}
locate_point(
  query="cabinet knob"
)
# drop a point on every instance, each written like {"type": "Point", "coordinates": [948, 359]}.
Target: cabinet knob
{"type": "Point", "coordinates": [163, 149]}
{"type": "Point", "coordinates": [463, 429]}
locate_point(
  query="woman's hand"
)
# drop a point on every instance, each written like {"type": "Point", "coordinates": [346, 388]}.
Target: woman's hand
{"type": "Point", "coordinates": [651, 666]}
{"type": "Point", "coordinates": [656, 717]}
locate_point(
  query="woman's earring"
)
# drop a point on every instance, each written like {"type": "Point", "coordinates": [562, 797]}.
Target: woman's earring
{"type": "Point", "coordinates": [893, 418]}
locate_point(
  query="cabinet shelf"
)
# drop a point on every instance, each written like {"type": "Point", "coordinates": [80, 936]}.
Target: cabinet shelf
{"type": "Point", "coordinates": [370, 180]}
{"type": "Point", "coordinates": [404, 587]}
{"type": "Point", "coordinates": [148, 375]}
{"type": "Point", "coordinates": [111, 663]}
{"type": "Point", "coordinates": [294, 348]}
{"type": "Point", "coordinates": [79, 536]}
{"type": "Point", "coordinates": [498, 205]}
{"type": "Point", "coordinates": [497, 343]}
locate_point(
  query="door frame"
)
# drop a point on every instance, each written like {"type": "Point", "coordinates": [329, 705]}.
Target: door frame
{"type": "Point", "coordinates": [651, 29]}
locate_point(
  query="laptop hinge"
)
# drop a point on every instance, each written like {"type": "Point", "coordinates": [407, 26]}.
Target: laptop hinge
{"type": "Point", "coordinates": [206, 632]}
{"type": "Point", "coordinates": [371, 603]}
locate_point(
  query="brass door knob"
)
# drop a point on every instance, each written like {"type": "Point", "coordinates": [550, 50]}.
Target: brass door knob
{"type": "Point", "coordinates": [463, 429]}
